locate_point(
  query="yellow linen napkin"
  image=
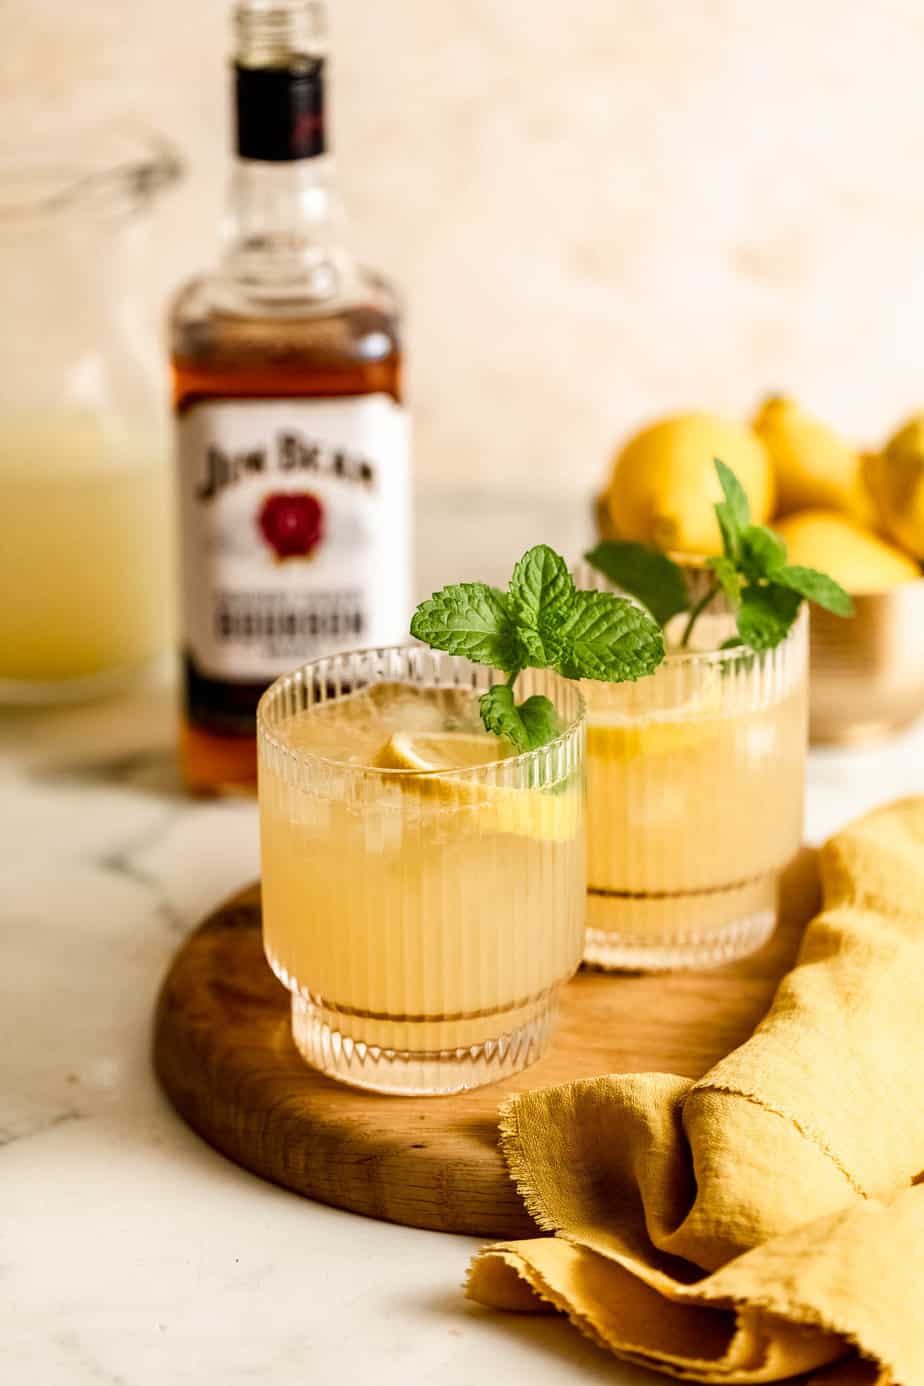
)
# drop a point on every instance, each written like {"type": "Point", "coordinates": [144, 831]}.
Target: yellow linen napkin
{"type": "Point", "coordinates": [761, 1222]}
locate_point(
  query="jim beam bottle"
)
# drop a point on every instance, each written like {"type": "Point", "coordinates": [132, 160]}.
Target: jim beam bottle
{"type": "Point", "coordinates": [294, 485]}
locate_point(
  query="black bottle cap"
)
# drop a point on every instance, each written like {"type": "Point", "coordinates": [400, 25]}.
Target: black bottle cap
{"type": "Point", "coordinates": [280, 110]}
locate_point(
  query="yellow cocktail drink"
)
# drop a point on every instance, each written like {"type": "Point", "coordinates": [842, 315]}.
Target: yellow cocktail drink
{"type": "Point", "coordinates": [423, 885]}
{"type": "Point", "coordinates": [695, 800]}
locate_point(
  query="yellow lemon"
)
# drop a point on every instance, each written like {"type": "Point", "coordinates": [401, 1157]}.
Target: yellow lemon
{"type": "Point", "coordinates": [664, 486]}
{"type": "Point", "coordinates": [896, 479]}
{"type": "Point", "coordinates": [551, 815]}
{"type": "Point", "coordinates": [815, 467]}
{"type": "Point", "coordinates": [855, 557]}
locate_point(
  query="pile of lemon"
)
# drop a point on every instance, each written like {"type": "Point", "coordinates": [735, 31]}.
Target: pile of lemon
{"type": "Point", "coordinates": [858, 516]}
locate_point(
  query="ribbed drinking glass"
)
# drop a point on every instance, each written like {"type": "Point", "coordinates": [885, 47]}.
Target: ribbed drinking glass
{"type": "Point", "coordinates": [694, 800]}
{"type": "Point", "coordinates": [423, 920]}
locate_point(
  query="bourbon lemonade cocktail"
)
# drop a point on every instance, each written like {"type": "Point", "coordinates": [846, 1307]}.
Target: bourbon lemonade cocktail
{"type": "Point", "coordinates": [695, 798]}
{"type": "Point", "coordinates": [423, 884]}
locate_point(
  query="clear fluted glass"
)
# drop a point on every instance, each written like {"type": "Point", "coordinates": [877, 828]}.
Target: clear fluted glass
{"type": "Point", "coordinates": [424, 922]}
{"type": "Point", "coordinates": [695, 787]}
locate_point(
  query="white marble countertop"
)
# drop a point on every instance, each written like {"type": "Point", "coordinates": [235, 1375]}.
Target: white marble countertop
{"type": "Point", "coordinates": [131, 1254]}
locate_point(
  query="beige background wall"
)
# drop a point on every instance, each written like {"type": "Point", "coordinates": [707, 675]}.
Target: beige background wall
{"type": "Point", "coordinates": [599, 209]}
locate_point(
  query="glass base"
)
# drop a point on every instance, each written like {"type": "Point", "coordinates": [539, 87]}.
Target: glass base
{"type": "Point", "coordinates": [320, 1039]}
{"type": "Point", "coordinates": [665, 932]}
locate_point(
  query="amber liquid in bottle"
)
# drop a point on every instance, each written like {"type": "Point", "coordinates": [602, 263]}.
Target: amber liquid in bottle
{"type": "Point", "coordinates": [349, 354]}
{"type": "Point", "coordinates": [288, 316]}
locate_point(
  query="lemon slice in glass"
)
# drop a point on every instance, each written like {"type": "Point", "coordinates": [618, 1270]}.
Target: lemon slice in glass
{"type": "Point", "coordinates": [552, 815]}
{"type": "Point", "coordinates": [616, 737]}
{"type": "Point", "coordinates": [444, 750]}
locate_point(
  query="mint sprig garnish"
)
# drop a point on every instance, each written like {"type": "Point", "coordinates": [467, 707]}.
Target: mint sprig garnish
{"type": "Point", "coordinates": [542, 621]}
{"type": "Point", "coordinates": [763, 590]}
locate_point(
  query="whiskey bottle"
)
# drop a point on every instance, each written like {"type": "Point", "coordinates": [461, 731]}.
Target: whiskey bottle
{"type": "Point", "coordinates": [292, 453]}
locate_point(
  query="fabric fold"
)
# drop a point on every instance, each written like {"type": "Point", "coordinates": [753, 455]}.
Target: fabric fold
{"type": "Point", "coordinates": [759, 1223]}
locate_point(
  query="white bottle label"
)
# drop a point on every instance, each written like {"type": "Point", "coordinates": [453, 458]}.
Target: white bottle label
{"type": "Point", "coordinates": [294, 531]}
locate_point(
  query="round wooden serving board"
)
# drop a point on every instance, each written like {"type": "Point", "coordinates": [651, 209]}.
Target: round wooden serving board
{"type": "Point", "coordinates": [224, 1053]}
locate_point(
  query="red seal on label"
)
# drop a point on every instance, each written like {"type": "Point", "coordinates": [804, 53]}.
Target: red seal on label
{"type": "Point", "coordinates": [292, 523]}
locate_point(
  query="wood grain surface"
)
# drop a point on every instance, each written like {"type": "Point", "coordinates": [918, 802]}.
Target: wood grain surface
{"type": "Point", "coordinates": [224, 1054]}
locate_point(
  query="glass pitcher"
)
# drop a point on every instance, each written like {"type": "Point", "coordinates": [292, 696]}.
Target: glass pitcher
{"type": "Point", "coordinates": [86, 564]}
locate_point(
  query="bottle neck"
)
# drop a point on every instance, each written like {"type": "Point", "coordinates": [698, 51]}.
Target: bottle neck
{"type": "Point", "coordinates": [285, 221]}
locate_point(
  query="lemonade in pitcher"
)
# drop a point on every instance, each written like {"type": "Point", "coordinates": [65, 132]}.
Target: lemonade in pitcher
{"type": "Point", "coordinates": [86, 560]}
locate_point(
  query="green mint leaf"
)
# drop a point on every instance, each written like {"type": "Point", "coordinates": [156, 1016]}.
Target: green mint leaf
{"type": "Point", "coordinates": [736, 498]}
{"type": "Point", "coordinates": [729, 534]}
{"type": "Point", "coordinates": [762, 553]}
{"type": "Point", "coordinates": [470, 619]}
{"type": "Point", "coordinates": [539, 717]}
{"type": "Point", "coordinates": [644, 573]}
{"type": "Point", "coordinates": [541, 590]}
{"type": "Point", "coordinates": [543, 649]}
{"type": "Point", "coordinates": [766, 614]}
{"type": "Point", "coordinates": [527, 725]}
{"type": "Point", "coordinates": [734, 513]}
{"type": "Point", "coordinates": [818, 587]}
{"type": "Point", "coordinates": [499, 714]}
{"type": "Point", "coordinates": [609, 638]}
{"type": "Point", "coordinates": [726, 572]}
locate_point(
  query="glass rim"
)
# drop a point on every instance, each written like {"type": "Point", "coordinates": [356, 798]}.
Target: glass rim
{"type": "Point", "coordinates": [304, 757]}
{"type": "Point", "coordinates": [734, 652]}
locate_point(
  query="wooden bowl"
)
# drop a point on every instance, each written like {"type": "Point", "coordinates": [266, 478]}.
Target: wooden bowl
{"type": "Point", "coordinates": [867, 673]}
